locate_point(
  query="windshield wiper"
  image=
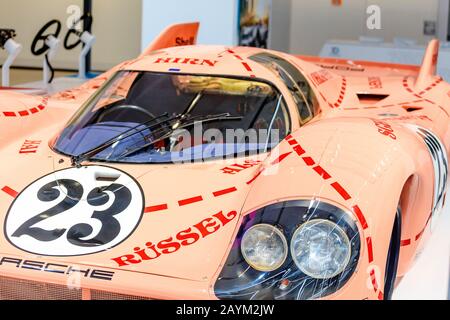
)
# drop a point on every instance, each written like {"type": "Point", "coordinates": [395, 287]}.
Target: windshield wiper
{"type": "Point", "coordinates": [77, 160]}
{"type": "Point", "coordinates": [191, 122]}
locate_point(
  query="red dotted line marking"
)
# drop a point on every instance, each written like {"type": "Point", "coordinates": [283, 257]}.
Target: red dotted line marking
{"type": "Point", "coordinates": [28, 112]}
{"type": "Point", "coordinates": [277, 161]}
{"type": "Point", "coordinates": [224, 192]}
{"type": "Point", "coordinates": [375, 285]}
{"type": "Point", "coordinates": [380, 295]}
{"type": "Point", "coordinates": [156, 208]}
{"type": "Point", "coordinates": [406, 86]}
{"type": "Point", "coordinates": [341, 97]}
{"type": "Point", "coordinates": [420, 94]}
{"type": "Point", "coordinates": [321, 172]}
{"type": "Point", "coordinates": [408, 242]}
{"type": "Point", "coordinates": [281, 158]}
{"type": "Point", "coordinates": [215, 194]}
{"type": "Point", "coordinates": [427, 89]}
{"type": "Point", "coordinates": [432, 86]}
{"type": "Point", "coordinates": [9, 191]}
{"type": "Point", "coordinates": [342, 192]}
{"type": "Point", "coordinates": [360, 217]}
{"type": "Point", "coordinates": [346, 196]}
{"type": "Point", "coordinates": [389, 105]}
{"type": "Point", "coordinates": [256, 176]}
{"type": "Point", "coordinates": [369, 249]}
{"type": "Point", "coordinates": [405, 243]}
{"type": "Point", "coordinates": [189, 201]}
{"type": "Point", "coordinates": [244, 63]}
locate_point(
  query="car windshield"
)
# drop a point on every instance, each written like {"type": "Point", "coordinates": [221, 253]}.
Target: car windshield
{"type": "Point", "coordinates": [147, 117]}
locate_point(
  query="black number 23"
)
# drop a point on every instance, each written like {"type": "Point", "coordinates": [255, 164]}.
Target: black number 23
{"type": "Point", "coordinates": [110, 226]}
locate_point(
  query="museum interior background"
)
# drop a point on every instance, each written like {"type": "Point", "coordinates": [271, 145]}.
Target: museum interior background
{"type": "Point", "coordinates": [124, 28]}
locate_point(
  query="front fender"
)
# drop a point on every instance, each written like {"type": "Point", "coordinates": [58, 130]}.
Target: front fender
{"type": "Point", "coordinates": [349, 163]}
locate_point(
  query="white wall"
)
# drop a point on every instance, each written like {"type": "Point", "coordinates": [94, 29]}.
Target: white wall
{"type": "Point", "coordinates": [218, 19]}
{"type": "Point", "coordinates": [315, 21]}
{"type": "Point", "coordinates": [280, 24]}
{"type": "Point", "coordinates": [405, 18]}
{"type": "Point", "coordinates": [117, 25]}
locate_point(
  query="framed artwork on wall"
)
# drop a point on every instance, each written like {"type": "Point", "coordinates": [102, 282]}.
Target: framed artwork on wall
{"type": "Point", "coordinates": [254, 23]}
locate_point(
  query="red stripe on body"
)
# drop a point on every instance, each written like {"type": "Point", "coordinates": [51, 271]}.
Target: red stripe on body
{"type": "Point", "coordinates": [405, 243]}
{"type": "Point", "coordinates": [160, 207]}
{"type": "Point", "coordinates": [369, 249]}
{"type": "Point", "coordinates": [192, 200]}
{"type": "Point", "coordinates": [247, 66]}
{"type": "Point", "coordinates": [9, 191]}
{"type": "Point", "coordinates": [255, 177]}
{"type": "Point", "coordinates": [360, 217]}
{"type": "Point", "coordinates": [224, 192]}
{"type": "Point", "coordinates": [309, 161]}
{"type": "Point", "coordinates": [321, 172]}
{"type": "Point", "coordinates": [341, 191]}
{"type": "Point", "coordinates": [281, 158]}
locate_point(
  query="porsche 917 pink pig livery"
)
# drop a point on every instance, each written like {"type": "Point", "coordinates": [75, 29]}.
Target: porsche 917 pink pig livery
{"type": "Point", "coordinates": [213, 172]}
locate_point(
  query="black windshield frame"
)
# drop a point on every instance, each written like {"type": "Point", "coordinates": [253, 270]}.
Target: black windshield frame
{"type": "Point", "coordinates": [96, 96]}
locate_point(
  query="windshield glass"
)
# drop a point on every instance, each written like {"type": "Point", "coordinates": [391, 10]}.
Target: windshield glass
{"type": "Point", "coordinates": [146, 117]}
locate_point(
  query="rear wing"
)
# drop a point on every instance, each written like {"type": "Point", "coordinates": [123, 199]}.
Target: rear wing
{"type": "Point", "coordinates": [175, 35]}
{"type": "Point", "coordinates": [429, 65]}
{"type": "Point", "coordinates": [423, 74]}
{"type": "Point", "coordinates": [355, 68]}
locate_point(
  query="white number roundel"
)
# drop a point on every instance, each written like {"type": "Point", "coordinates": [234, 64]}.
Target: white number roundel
{"type": "Point", "coordinates": [74, 212]}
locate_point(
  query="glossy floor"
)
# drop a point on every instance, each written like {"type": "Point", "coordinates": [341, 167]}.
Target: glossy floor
{"type": "Point", "coordinates": [429, 278]}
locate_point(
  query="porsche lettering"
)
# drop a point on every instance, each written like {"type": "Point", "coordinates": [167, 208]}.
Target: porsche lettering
{"type": "Point", "coordinates": [56, 268]}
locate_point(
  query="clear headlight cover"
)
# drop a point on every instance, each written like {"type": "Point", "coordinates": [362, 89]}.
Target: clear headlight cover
{"type": "Point", "coordinates": [264, 247]}
{"type": "Point", "coordinates": [320, 249]}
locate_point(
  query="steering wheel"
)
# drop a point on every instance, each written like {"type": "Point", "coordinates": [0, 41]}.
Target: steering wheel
{"type": "Point", "coordinates": [137, 109]}
{"type": "Point", "coordinates": [42, 37]}
{"type": "Point", "coordinates": [5, 35]}
{"type": "Point", "coordinates": [87, 19]}
{"type": "Point", "coordinates": [119, 108]}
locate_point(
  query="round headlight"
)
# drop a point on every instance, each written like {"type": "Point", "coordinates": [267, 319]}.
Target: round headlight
{"type": "Point", "coordinates": [264, 247]}
{"type": "Point", "coordinates": [320, 249]}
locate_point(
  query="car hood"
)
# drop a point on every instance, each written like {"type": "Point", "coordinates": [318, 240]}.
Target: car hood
{"type": "Point", "coordinates": [173, 220]}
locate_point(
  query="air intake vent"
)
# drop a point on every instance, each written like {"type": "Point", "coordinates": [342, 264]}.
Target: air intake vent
{"type": "Point", "coordinates": [412, 109]}
{"type": "Point", "coordinates": [370, 98]}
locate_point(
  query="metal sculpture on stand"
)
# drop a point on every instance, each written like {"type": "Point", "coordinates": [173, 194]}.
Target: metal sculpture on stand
{"type": "Point", "coordinates": [47, 43]}
{"type": "Point", "coordinates": [85, 37]}
{"type": "Point", "coordinates": [13, 49]}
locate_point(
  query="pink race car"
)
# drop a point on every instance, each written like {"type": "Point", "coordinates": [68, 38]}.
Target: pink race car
{"type": "Point", "coordinates": [210, 172]}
